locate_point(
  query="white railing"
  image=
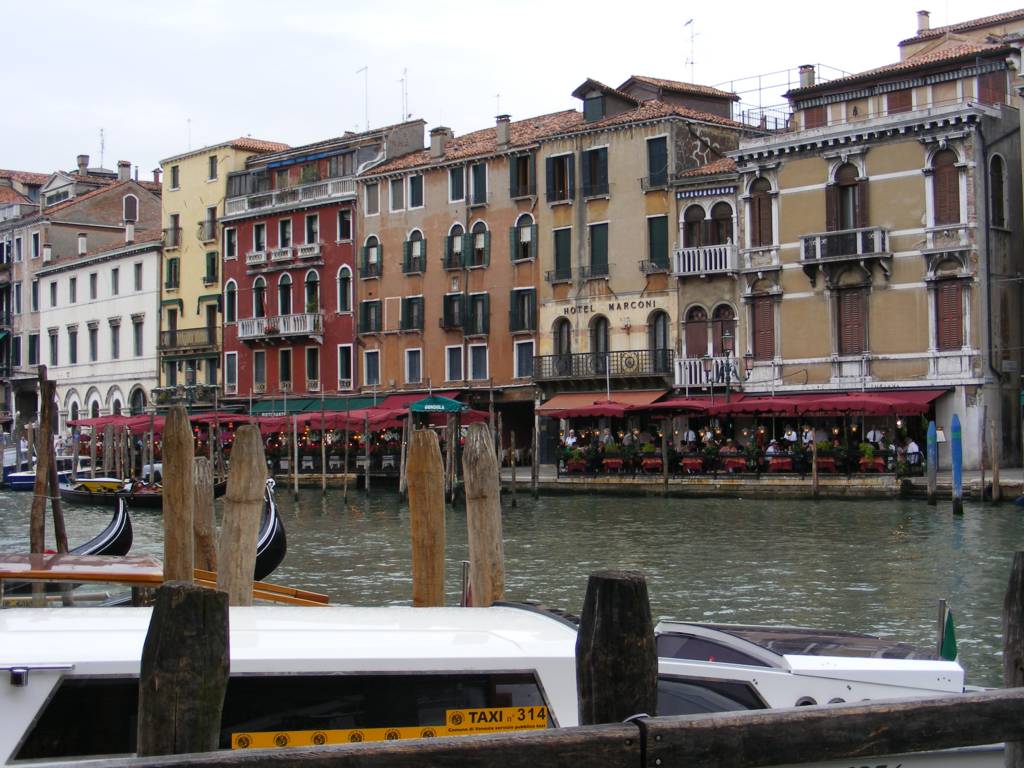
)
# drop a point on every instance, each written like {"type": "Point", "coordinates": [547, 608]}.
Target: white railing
{"type": "Point", "coordinates": [303, 324]}
{"type": "Point", "coordinates": [281, 254]}
{"type": "Point", "coordinates": [690, 372]}
{"type": "Point", "coordinates": [704, 260]}
{"type": "Point", "coordinates": [344, 384]}
{"type": "Point", "coordinates": [259, 388]}
{"type": "Point", "coordinates": [760, 257]}
{"type": "Point", "coordinates": [948, 236]}
{"type": "Point", "coordinates": [309, 251]}
{"type": "Point", "coordinates": [318, 190]}
{"type": "Point", "coordinates": [312, 385]}
{"type": "Point", "coordinates": [256, 257]}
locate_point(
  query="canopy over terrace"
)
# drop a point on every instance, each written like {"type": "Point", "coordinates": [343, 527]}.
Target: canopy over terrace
{"type": "Point", "coordinates": [597, 404]}
{"type": "Point", "coordinates": [872, 403]}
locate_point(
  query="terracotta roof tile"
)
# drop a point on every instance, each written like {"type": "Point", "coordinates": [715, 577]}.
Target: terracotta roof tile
{"type": "Point", "coordinates": [25, 177]}
{"type": "Point", "coordinates": [652, 110]}
{"type": "Point", "coordinates": [715, 167]}
{"type": "Point", "coordinates": [9, 196]}
{"type": "Point", "coordinates": [966, 26]}
{"type": "Point", "coordinates": [591, 83]}
{"type": "Point", "coordinates": [921, 61]}
{"type": "Point", "coordinates": [680, 87]}
{"type": "Point", "coordinates": [249, 144]}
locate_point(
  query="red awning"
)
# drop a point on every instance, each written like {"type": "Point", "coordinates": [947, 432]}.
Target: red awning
{"type": "Point", "coordinates": [681, 404]}
{"type": "Point", "coordinates": [593, 410]}
{"type": "Point", "coordinates": [875, 403]}
{"type": "Point", "coordinates": [779, 405]}
{"type": "Point", "coordinates": [573, 400]}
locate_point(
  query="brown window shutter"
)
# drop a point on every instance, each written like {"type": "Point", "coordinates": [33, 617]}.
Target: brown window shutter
{"type": "Point", "coordinates": [762, 219]}
{"type": "Point", "coordinates": [764, 328]}
{"type": "Point", "coordinates": [862, 216]}
{"type": "Point", "coordinates": [949, 315]}
{"type": "Point", "coordinates": [851, 322]}
{"type": "Point", "coordinates": [946, 188]}
{"type": "Point", "coordinates": [992, 87]}
{"type": "Point", "coordinates": [696, 338]}
{"type": "Point", "coordinates": [832, 207]}
{"type": "Point", "coordinates": [898, 101]}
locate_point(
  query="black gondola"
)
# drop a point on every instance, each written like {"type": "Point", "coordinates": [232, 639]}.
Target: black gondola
{"type": "Point", "coordinates": [272, 543]}
{"type": "Point", "coordinates": [141, 495]}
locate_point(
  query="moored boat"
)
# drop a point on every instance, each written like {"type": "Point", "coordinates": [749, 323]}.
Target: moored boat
{"type": "Point", "coordinates": [25, 480]}
{"type": "Point", "coordinates": [104, 492]}
{"type": "Point", "coordinates": [272, 543]}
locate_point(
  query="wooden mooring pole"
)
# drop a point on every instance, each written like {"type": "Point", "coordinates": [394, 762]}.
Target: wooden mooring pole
{"type": "Point", "coordinates": [993, 453]}
{"type": "Point", "coordinates": [204, 530]}
{"type": "Point", "coordinates": [512, 461]}
{"type": "Point", "coordinates": [483, 517]}
{"type": "Point", "coordinates": [403, 458]}
{"type": "Point", "coordinates": [535, 455]}
{"type": "Point", "coordinates": [295, 457]}
{"type": "Point", "coordinates": [366, 451]}
{"type": "Point", "coordinates": [426, 513]}
{"type": "Point", "coordinates": [932, 463]}
{"type": "Point", "coordinates": [243, 508]}
{"type": "Point", "coordinates": [178, 496]}
{"type": "Point", "coordinates": [1013, 646]}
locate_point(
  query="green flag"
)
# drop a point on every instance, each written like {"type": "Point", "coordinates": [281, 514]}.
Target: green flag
{"type": "Point", "coordinates": [948, 648]}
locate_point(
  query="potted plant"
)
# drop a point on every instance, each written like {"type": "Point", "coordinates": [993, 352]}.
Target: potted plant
{"type": "Point", "coordinates": [867, 456]}
{"type": "Point", "coordinates": [612, 457]}
{"type": "Point", "coordinates": [575, 461]}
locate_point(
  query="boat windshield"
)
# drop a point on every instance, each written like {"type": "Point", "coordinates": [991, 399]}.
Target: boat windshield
{"type": "Point", "coordinates": [812, 642]}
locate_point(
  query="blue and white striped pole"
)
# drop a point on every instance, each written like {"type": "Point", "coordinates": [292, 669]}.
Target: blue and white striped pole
{"type": "Point", "coordinates": [957, 459]}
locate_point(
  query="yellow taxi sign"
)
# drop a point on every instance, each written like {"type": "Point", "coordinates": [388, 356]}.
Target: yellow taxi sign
{"type": "Point", "coordinates": [495, 719]}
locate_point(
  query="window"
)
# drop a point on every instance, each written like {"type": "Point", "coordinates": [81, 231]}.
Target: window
{"type": "Point", "coordinates": [175, 177]}
{"type": "Point", "coordinates": [138, 276]}
{"type": "Point", "coordinates": [16, 351]}
{"type": "Point", "coordinates": [412, 313]}
{"type": "Point", "coordinates": [524, 359]}
{"type": "Point", "coordinates": [416, 191]}
{"type": "Point", "coordinates": [522, 310]}
{"type": "Point", "coordinates": [208, 227]}
{"type": "Point", "coordinates": [94, 344]}
{"type": "Point", "coordinates": [413, 366]}
{"type": "Point", "coordinates": [230, 302]}
{"type": "Point", "coordinates": [211, 163]}
{"type": "Point", "coordinates": [284, 233]}
{"type": "Point", "coordinates": [340, 165]}
{"type": "Point", "coordinates": [129, 208]}
{"type": "Point", "coordinates": [345, 225]}
{"type": "Point", "coordinates": [453, 363]}
{"type": "Point", "coordinates": [414, 253]}
{"type": "Point", "coordinates": [563, 254]}
{"type": "Point", "coordinates": [454, 246]}
{"type": "Point", "coordinates": [761, 233]}
{"type": "Point", "coordinates": [259, 297]}
{"type": "Point", "coordinates": [115, 275]}
{"type": "Point", "coordinates": [599, 343]}
{"type": "Point", "coordinates": [284, 295]}
{"type": "Point", "coordinates": [312, 291]}
{"type": "Point", "coordinates": [397, 194]}
{"type": "Point", "coordinates": [851, 316]}
{"type": "Point", "coordinates": [657, 161]}
{"type": "Point", "coordinates": [695, 332]}
{"type": "Point", "coordinates": [312, 228]}
{"type": "Point", "coordinates": [33, 303]}
{"type": "Point", "coordinates": [230, 243]}
{"type": "Point", "coordinates": [523, 239]}
{"type": "Point", "coordinates": [899, 101]}
{"type": "Point", "coordinates": [949, 316]}
{"type": "Point", "coordinates": [478, 319]}
{"type": "Point", "coordinates": [210, 276]}
{"type": "Point", "coordinates": [53, 293]}
{"type": "Point", "coordinates": [18, 250]}
{"type": "Point", "coordinates": [259, 237]}
{"type": "Point", "coordinates": [33, 349]}
{"type": "Point", "coordinates": [522, 175]}
{"type": "Point", "coordinates": [231, 373]}
{"type": "Point", "coordinates": [17, 298]}
{"type": "Point", "coordinates": [657, 241]}
{"type": "Point", "coordinates": [72, 346]}
{"type": "Point", "coordinates": [593, 107]}
{"type": "Point", "coordinates": [72, 290]}
{"type": "Point", "coordinates": [344, 289]}
{"type": "Point", "coordinates": [598, 250]}
{"type": "Point", "coordinates": [480, 253]}
{"type": "Point", "coordinates": [173, 277]}
{"type": "Point", "coordinates": [658, 341]}
{"type": "Point", "coordinates": [720, 225]}
{"type": "Point", "coordinates": [171, 373]}
{"type": "Point", "coordinates": [478, 183]}
{"type": "Point", "coordinates": [456, 184]}
{"type": "Point", "coordinates": [312, 369]}
{"type": "Point", "coordinates": [372, 199]}
{"type": "Point", "coordinates": [281, 178]}
{"type": "Point", "coordinates": [371, 258]}
{"type": "Point", "coordinates": [259, 370]}
{"type": "Point", "coordinates": [371, 368]}
{"type": "Point", "coordinates": [560, 173]}
{"type": "Point", "coordinates": [284, 369]}
{"type": "Point", "coordinates": [762, 314]}
{"type": "Point", "coordinates": [846, 204]}
{"type": "Point", "coordinates": [997, 192]}
{"type": "Point", "coordinates": [595, 172]}
{"type": "Point", "coordinates": [992, 87]}
{"type": "Point", "coordinates": [344, 366]}
{"type": "Point", "coordinates": [53, 348]}
{"type": "Point", "coordinates": [946, 188]}
{"type": "Point", "coordinates": [722, 319]}
{"type": "Point", "coordinates": [35, 245]}
{"type": "Point", "coordinates": [815, 117]}
{"type": "Point", "coordinates": [137, 336]}
{"type": "Point", "coordinates": [93, 281]}
{"type": "Point", "coordinates": [451, 314]}
{"type": "Point", "coordinates": [478, 362]}
{"type": "Point", "coordinates": [370, 316]}
{"type": "Point", "coordinates": [115, 340]}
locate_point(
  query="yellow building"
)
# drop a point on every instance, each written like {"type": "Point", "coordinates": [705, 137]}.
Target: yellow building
{"type": "Point", "coordinates": [194, 188]}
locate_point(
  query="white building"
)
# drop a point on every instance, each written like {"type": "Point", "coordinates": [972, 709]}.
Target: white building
{"type": "Point", "coordinates": [99, 326]}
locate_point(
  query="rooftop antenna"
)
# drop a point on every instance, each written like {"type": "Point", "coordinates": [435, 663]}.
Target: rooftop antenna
{"type": "Point", "coordinates": [689, 23]}
{"type": "Point", "coordinates": [366, 92]}
{"type": "Point", "coordinates": [103, 146]}
{"type": "Point", "coordinates": [404, 80]}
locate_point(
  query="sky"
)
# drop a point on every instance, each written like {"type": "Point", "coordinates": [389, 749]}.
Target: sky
{"type": "Point", "coordinates": [160, 78]}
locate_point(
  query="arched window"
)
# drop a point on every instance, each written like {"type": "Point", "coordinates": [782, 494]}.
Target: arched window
{"type": "Point", "coordinates": [453, 247]}
{"type": "Point", "coordinates": [946, 188]}
{"type": "Point", "coordinates": [846, 200]}
{"type": "Point", "coordinates": [117, 407]}
{"type": "Point", "coordinates": [523, 243]}
{"type": "Point", "coordinates": [720, 225]}
{"type": "Point", "coordinates": [230, 302]}
{"type": "Point", "coordinates": [259, 297]}
{"type": "Point", "coordinates": [371, 257]}
{"type": "Point", "coordinates": [658, 341]}
{"type": "Point", "coordinates": [481, 246]}
{"type": "Point", "coordinates": [129, 208]}
{"type": "Point", "coordinates": [562, 338]}
{"type": "Point", "coordinates": [312, 291]}
{"type": "Point", "coordinates": [997, 191]}
{"type": "Point", "coordinates": [761, 214]}
{"type": "Point", "coordinates": [696, 332]}
{"type": "Point", "coordinates": [284, 295]}
{"type": "Point", "coordinates": [138, 402]}
{"type": "Point", "coordinates": [599, 332]}
{"type": "Point", "coordinates": [74, 411]}
{"type": "Point", "coordinates": [94, 410]}
{"type": "Point", "coordinates": [344, 289]}
{"type": "Point", "coordinates": [723, 321]}
{"type": "Point", "coordinates": [693, 227]}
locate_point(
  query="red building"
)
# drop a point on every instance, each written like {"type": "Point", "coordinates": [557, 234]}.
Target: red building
{"type": "Point", "coordinates": [290, 225]}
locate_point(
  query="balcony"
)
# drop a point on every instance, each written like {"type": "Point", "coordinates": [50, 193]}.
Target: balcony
{"type": "Point", "coordinates": [519, 322]}
{"type": "Point", "coordinates": [704, 260]}
{"type": "Point", "coordinates": [172, 237]}
{"type": "Point", "coordinates": [832, 250]}
{"type": "Point", "coordinates": [344, 384]}
{"type": "Point", "coordinates": [309, 251]}
{"type": "Point", "coordinates": [253, 258]}
{"type": "Point", "coordinates": [206, 231]}
{"type": "Point", "coordinates": [370, 269]}
{"type": "Point", "coordinates": [648, 267]}
{"type": "Point", "coordinates": [195, 394]}
{"type": "Point", "coordinates": [554, 276]}
{"type": "Point", "coordinates": [312, 385]}
{"type": "Point", "coordinates": [268, 202]}
{"type": "Point", "coordinates": [626, 364]}
{"type": "Point", "coordinates": [477, 325]}
{"type": "Point", "coordinates": [690, 372]}
{"type": "Point", "coordinates": [414, 265]}
{"type": "Point", "coordinates": [280, 326]}
{"type": "Point", "coordinates": [278, 254]}
{"type": "Point", "coordinates": [594, 271]}
{"type": "Point", "coordinates": [190, 338]}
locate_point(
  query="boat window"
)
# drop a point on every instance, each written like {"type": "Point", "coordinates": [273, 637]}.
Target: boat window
{"type": "Point", "coordinates": [677, 696]}
{"type": "Point", "coordinates": [673, 646]}
{"type": "Point", "coordinates": [812, 642]}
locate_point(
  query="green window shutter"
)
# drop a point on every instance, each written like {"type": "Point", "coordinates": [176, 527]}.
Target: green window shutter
{"type": "Point", "coordinates": [405, 312]}
{"type": "Point", "coordinates": [533, 241]}
{"type": "Point", "coordinates": [512, 310]}
{"type": "Point", "coordinates": [363, 258]}
{"type": "Point", "coordinates": [572, 176]}
{"type": "Point", "coordinates": [533, 173]}
{"type": "Point", "coordinates": [657, 161]}
{"type": "Point", "coordinates": [423, 253]}
{"type": "Point", "coordinates": [563, 255]}
{"type": "Point", "coordinates": [467, 249]}
{"type": "Point", "coordinates": [549, 178]}
{"type": "Point", "coordinates": [513, 243]}
{"type": "Point", "coordinates": [587, 158]}
{"type": "Point", "coordinates": [487, 248]}
{"type": "Point", "coordinates": [599, 247]}
{"type": "Point", "coordinates": [602, 171]}
{"type": "Point", "coordinates": [406, 255]}
{"type": "Point", "coordinates": [657, 240]}
{"type": "Point", "coordinates": [512, 187]}
{"type": "Point", "coordinates": [486, 325]}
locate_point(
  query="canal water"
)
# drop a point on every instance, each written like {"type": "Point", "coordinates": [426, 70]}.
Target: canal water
{"type": "Point", "coordinates": [873, 566]}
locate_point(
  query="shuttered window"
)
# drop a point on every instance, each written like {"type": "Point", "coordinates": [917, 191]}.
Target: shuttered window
{"type": "Point", "coordinates": [946, 188]}
{"type": "Point", "coordinates": [815, 117]}
{"type": "Point", "coordinates": [696, 332]}
{"type": "Point", "coordinates": [992, 87]}
{"type": "Point", "coordinates": [693, 227]}
{"type": "Point", "coordinates": [657, 161]}
{"type": "Point", "coordinates": [657, 240]}
{"type": "Point", "coordinates": [997, 192]}
{"type": "Point", "coordinates": [563, 253]}
{"type": "Point", "coordinates": [763, 313]}
{"type": "Point", "coordinates": [599, 249]}
{"type": "Point", "coordinates": [761, 214]}
{"type": "Point", "coordinates": [949, 315]}
{"type": "Point", "coordinates": [899, 101]}
{"type": "Point", "coordinates": [852, 310]}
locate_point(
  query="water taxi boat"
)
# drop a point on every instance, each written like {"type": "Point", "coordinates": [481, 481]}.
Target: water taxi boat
{"type": "Point", "coordinates": [25, 480]}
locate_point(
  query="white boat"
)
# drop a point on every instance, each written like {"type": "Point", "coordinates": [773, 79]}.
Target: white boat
{"type": "Point", "coordinates": [303, 676]}
{"type": "Point", "coordinates": [25, 480]}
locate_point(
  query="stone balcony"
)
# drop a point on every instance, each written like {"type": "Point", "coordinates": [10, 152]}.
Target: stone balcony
{"type": "Point", "coordinates": [281, 199]}
{"type": "Point", "coordinates": [270, 329]}
{"type": "Point", "coordinates": [704, 260]}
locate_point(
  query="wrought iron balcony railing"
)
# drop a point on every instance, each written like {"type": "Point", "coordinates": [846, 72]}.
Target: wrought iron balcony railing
{"type": "Point", "coordinates": [186, 338]}
{"type": "Point", "coordinates": [590, 365]}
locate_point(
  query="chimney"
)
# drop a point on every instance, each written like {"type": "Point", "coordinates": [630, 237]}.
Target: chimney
{"type": "Point", "coordinates": [806, 75]}
{"type": "Point", "coordinates": [439, 138]}
{"type": "Point", "coordinates": [124, 170]}
{"type": "Point", "coordinates": [502, 131]}
{"type": "Point", "coordinates": [923, 21]}
{"type": "Point", "coordinates": [129, 231]}
{"type": "Point", "coordinates": [82, 243]}
{"type": "Point", "coordinates": [83, 164]}
{"type": "Point", "coordinates": [156, 175]}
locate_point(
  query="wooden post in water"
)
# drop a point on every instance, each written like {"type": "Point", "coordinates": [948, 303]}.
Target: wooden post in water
{"type": "Point", "coordinates": [403, 458]}
{"type": "Point", "coordinates": [616, 658]}
{"type": "Point", "coordinates": [814, 469]}
{"type": "Point", "coordinates": [295, 456]}
{"type": "Point", "coordinates": [993, 453]}
{"type": "Point", "coordinates": [447, 454]}
{"type": "Point", "coordinates": [37, 519]}
{"type": "Point", "coordinates": [956, 446]}
{"type": "Point", "coordinates": [512, 461]}
{"type": "Point", "coordinates": [178, 496]}
{"type": "Point", "coordinates": [982, 450]}
{"type": "Point", "coordinates": [666, 430]}
{"type": "Point", "coordinates": [184, 671]}
{"type": "Point", "coordinates": [1013, 646]}
{"type": "Point", "coordinates": [366, 450]}
{"type": "Point", "coordinates": [344, 481]}
{"type": "Point", "coordinates": [108, 449]}
{"type": "Point", "coordinates": [480, 473]}
{"type": "Point", "coordinates": [932, 463]}
{"type": "Point", "coordinates": [204, 530]}
{"type": "Point", "coordinates": [93, 440]}
{"type": "Point", "coordinates": [152, 446]}
{"type": "Point", "coordinates": [76, 438]}
{"type": "Point", "coordinates": [535, 453]}
{"type": "Point", "coordinates": [243, 509]}
{"type": "Point", "coordinates": [426, 513]}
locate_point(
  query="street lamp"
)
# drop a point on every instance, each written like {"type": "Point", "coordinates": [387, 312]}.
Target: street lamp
{"type": "Point", "coordinates": [706, 362]}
